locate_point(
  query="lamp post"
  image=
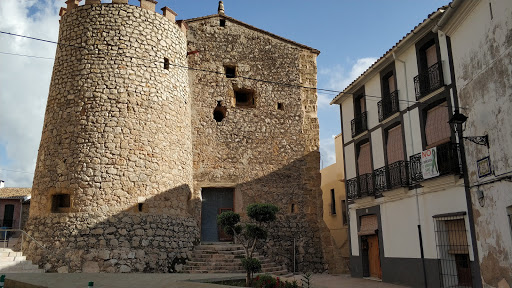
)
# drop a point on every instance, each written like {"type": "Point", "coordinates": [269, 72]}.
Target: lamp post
{"type": "Point", "coordinates": [457, 121]}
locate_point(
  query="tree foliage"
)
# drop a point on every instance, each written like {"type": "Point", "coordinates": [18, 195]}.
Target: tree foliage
{"type": "Point", "coordinates": [248, 234]}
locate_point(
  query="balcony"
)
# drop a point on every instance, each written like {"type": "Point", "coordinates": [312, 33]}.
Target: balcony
{"type": "Point", "coordinates": [392, 176]}
{"type": "Point", "coordinates": [428, 81]}
{"type": "Point", "coordinates": [359, 124]}
{"type": "Point", "coordinates": [403, 173]}
{"type": "Point", "coordinates": [360, 186]}
{"type": "Point", "coordinates": [388, 105]}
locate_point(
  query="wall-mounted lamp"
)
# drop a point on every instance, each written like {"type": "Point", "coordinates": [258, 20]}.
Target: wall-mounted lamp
{"type": "Point", "coordinates": [458, 121]}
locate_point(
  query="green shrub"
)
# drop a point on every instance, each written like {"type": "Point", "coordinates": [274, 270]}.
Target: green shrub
{"type": "Point", "coordinates": [251, 265]}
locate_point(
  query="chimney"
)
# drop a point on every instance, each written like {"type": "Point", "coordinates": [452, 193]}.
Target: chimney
{"type": "Point", "coordinates": [169, 14]}
{"type": "Point", "coordinates": [72, 4]}
{"type": "Point", "coordinates": [2, 183]}
{"type": "Point", "coordinates": [221, 8]}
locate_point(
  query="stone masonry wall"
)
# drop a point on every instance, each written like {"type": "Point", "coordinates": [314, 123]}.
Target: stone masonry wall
{"type": "Point", "coordinates": [267, 152]}
{"type": "Point", "coordinates": [117, 139]}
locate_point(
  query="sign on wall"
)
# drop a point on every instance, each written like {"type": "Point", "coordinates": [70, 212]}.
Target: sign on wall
{"type": "Point", "coordinates": [429, 167]}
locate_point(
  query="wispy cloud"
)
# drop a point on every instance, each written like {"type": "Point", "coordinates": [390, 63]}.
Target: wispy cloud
{"type": "Point", "coordinates": [338, 78]}
{"type": "Point", "coordinates": [327, 151]}
{"type": "Point", "coordinates": [24, 83]}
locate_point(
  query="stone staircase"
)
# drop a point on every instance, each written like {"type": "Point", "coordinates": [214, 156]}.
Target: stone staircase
{"type": "Point", "coordinates": [226, 258]}
{"type": "Point", "coordinates": [15, 262]}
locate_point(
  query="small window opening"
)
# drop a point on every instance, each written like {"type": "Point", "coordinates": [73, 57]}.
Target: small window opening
{"type": "Point", "coordinates": [292, 208]}
{"type": "Point", "coordinates": [230, 71]}
{"type": "Point", "coordinates": [222, 22]}
{"type": "Point", "coordinates": [166, 63]}
{"type": "Point", "coordinates": [244, 98]}
{"type": "Point", "coordinates": [61, 203]}
{"type": "Point", "coordinates": [219, 112]}
{"type": "Point", "coordinates": [333, 202]}
{"type": "Point", "coordinates": [140, 207]}
{"type": "Point", "coordinates": [280, 106]}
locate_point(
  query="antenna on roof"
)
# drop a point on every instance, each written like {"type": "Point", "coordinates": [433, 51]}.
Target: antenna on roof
{"type": "Point", "coordinates": [221, 8]}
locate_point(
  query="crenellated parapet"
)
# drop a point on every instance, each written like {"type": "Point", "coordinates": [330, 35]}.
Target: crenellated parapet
{"type": "Point", "coordinates": [149, 5]}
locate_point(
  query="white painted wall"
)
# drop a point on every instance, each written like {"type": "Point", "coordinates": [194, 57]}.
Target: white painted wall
{"type": "Point", "coordinates": [353, 232]}
{"type": "Point", "coordinates": [372, 88]}
{"type": "Point", "coordinates": [377, 149]}
{"type": "Point", "coordinates": [350, 161]}
{"type": "Point", "coordinates": [347, 109]}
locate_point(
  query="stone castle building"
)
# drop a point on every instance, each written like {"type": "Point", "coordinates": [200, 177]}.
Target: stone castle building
{"type": "Point", "coordinates": [153, 126]}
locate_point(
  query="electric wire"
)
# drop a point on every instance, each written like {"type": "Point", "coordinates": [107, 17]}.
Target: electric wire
{"type": "Point", "coordinates": [17, 171]}
{"type": "Point", "coordinates": [323, 90]}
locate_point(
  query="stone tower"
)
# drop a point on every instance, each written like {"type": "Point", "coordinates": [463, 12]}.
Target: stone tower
{"type": "Point", "coordinates": [154, 126]}
{"type": "Point", "coordinates": [115, 158]}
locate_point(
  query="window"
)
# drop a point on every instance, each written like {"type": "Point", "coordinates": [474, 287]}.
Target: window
{"type": "Point", "coordinates": [344, 212]}
{"type": "Point", "coordinates": [292, 208]}
{"type": "Point", "coordinates": [359, 124]}
{"type": "Point", "coordinates": [364, 164]}
{"type": "Point", "coordinates": [430, 75]}
{"type": "Point", "coordinates": [230, 71]}
{"type": "Point", "coordinates": [389, 103]}
{"type": "Point", "coordinates": [61, 203]}
{"type": "Point", "coordinates": [394, 144]}
{"type": "Point", "coordinates": [244, 98]}
{"type": "Point", "coordinates": [333, 202]}
{"type": "Point", "coordinates": [280, 106]}
{"type": "Point", "coordinates": [166, 63]}
{"type": "Point", "coordinates": [437, 129]}
{"type": "Point", "coordinates": [222, 23]}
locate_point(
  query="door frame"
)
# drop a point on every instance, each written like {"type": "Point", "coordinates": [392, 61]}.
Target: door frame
{"type": "Point", "coordinates": [232, 204]}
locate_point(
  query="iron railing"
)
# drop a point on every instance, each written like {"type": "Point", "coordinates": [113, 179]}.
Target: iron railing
{"type": "Point", "coordinates": [388, 105]}
{"type": "Point", "coordinates": [359, 124]}
{"type": "Point", "coordinates": [429, 81]}
{"type": "Point", "coordinates": [403, 173]}
{"type": "Point", "coordinates": [392, 176]}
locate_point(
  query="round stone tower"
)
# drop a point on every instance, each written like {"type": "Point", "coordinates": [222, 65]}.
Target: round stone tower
{"type": "Point", "coordinates": [113, 179]}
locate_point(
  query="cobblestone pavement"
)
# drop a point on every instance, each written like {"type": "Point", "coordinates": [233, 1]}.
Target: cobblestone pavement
{"type": "Point", "coordinates": [80, 280]}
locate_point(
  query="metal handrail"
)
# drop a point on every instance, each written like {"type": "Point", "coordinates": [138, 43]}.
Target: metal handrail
{"type": "Point", "coordinates": [5, 238]}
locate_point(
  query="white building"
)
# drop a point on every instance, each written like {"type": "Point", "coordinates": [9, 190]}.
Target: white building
{"type": "Point", "coordinates": [408, 210]}
{"type": "Point", "coordinates": [481, 40]}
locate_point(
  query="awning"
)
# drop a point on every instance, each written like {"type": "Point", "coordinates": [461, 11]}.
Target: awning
{"type": "Point", "coordinates": [368, 225]}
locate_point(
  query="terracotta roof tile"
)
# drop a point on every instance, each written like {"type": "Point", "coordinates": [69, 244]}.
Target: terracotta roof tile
{"type": "Point", "coordinates": [14, 193]}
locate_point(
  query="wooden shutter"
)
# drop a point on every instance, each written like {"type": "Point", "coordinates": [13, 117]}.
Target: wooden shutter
{"type": "Point", "coordinates": [394, 145]}
{"type": "Point", "coordinates": [431, 54]}
{"type": "Point", "coordinates": [391, 83]}
{"type": "Point", "coordinates": [437, 129]}
{"type": "Point", "coordinates": [362, 104]}
{"type": "Point", "coordinates": [364, 161]}
{"type": "Point", "coordinates": [369, 224]}
{"type": "Point", "coordinates": [457, 236]}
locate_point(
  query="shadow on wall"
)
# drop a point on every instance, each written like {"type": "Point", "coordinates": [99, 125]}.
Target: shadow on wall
{"type": "Point", "coordinates": [152, 237]}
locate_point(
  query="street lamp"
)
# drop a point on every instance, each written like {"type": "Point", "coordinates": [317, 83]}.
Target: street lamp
{"type": "Point", "coordinates": [458, 121]}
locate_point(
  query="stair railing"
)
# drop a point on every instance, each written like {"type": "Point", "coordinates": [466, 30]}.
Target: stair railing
{"type": "Point", "coordinates": [6, 234]}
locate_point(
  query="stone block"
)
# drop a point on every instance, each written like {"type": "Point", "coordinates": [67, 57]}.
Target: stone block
{"type": "Point", "coordinates": [90, 267]}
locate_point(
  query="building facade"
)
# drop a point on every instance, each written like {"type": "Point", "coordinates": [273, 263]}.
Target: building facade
{"type": "Point", "coordinates": [155, 126]}
{"type": "Point", "coordinates": [335, 206]}
{"type": "Point", "coordinates": [14, 207]}
{"type": "Point", "coordinates": [481, 40]}
{"type": "Point", "coordinates": [403, 167]}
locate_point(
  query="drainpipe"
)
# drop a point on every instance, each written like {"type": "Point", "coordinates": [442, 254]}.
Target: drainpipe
{"type": "Point", "coordinates": [447, 14]}
{"type": "Point", "coordinates": [415, 187]}
{"type": "Point", "coordinates": [21, 213]}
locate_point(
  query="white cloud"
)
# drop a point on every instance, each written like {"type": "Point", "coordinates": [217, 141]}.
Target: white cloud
{"type": "Point", "coordinates": [24, 83]}
{"type": "Point", "coordinates": [337, 78]}
{"type": "Point", "coordinates": [327, 152]}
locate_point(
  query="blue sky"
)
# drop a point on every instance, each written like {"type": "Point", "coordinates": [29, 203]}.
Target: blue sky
{"type": "Point", "coordinates": [351, 35]}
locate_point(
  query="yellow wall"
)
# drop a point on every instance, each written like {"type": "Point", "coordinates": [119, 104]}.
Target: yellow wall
{"type": "Point", "coordinates": [333, 178]}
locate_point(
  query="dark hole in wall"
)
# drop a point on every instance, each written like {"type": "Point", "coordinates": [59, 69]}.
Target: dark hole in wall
{"type": "Point", "coordinates": [61, 202]}
{"type": "Point", "coordinates": [166, 63]}
{"type": "Point", "coordinates": [219, 112]}
{"type": "Point", "coordinates": [280, 106]}
{"type": "Point", "coordinates": [244, 98]}
{"type": "Point", "coordinates": [292, 208]}
{"type": "Point", "coordinates": [140, 207]}
{"type": "Point", "coordinates": [230, 71]}
{"type": "Point", "coordinates": [222, 22]}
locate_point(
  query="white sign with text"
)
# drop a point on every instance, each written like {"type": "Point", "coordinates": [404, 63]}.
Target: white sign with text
{"type": "Point", "coordinates": [429, 167]}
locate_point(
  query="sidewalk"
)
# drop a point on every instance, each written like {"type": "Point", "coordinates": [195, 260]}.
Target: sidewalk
{"type": "Point", "coordinates": [80, 280]}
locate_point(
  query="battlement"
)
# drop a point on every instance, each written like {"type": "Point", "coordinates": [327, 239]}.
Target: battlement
{"type": "Point", "coordinates": [144, 4]}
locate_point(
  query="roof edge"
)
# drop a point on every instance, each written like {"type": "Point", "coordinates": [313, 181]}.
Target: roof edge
{"type": "Point", "coordinates": [316, 51]}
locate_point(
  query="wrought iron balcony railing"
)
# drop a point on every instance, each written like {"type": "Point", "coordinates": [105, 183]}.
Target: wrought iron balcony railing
{"type": "Point", "coordinates": [359, 124]}
{"type": "Point", "coordinates": [392, 176]}
{"type": "Point", "coordinates": [448, 162]}
{"type": "Point", "coordinates": [403, 173]}
{"type": "Point", "coordinates": [429, 81]}
{"type": "Point", "coordinates": [361, 186]}
{"type": "Point", "coordinates": [388, 105]}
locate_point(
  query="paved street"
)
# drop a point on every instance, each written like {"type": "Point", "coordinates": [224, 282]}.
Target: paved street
{"type": "Point", "coordinates": [80, 280]}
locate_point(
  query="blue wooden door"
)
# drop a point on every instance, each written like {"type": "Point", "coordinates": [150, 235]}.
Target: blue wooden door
{"type": "Point", "coordinates": [213, 200]}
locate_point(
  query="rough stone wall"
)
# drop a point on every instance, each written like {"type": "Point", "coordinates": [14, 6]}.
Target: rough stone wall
{"type": "Point", "coordinates": [116, 134]}
{"type": "Point", "coordinates": [267, 154]}
{"type": "Point", "coordinates": [24, 214]}
{"type": "Point", "coordinates": [483, 65]}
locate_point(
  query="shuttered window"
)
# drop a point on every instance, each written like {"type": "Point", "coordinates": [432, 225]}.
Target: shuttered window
{"type": "Point", "coordinates": [431, 55]}
{"type": "Point", "coordinates": [394, 145]}
{"type": "Point", "coordinates": [437, 129]}
{"type": "Point", "coordinates": [364, 161]}
{"type": "Point", "coordinates": [369, 224]}
{"type": "Point", "coordinates": [457, 236]}
{"type": "Point", "coordinates": [391, 83]}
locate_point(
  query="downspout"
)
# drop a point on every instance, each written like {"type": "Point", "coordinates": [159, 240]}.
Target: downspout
{"type": "Point", "coordinates": [415, 187]}
{"type": "Point", "coordinates": [446, 15]}
{"type": "Point", "coordinates": [21, 213]}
